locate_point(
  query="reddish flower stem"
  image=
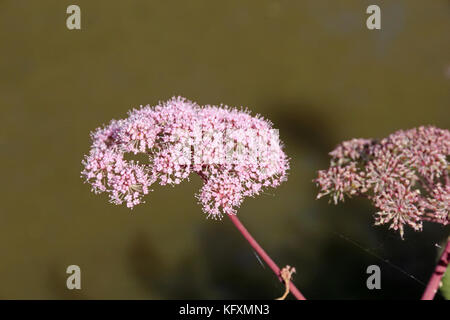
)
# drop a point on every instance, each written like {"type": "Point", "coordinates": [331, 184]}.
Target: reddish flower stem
{"type": "Point", "coordinates": [260, 251]}
{"type": "Point", "coordinates": [436, 277]}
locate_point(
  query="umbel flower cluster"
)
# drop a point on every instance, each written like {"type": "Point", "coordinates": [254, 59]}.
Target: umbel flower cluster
{"type": "Point", "coordinates": [405, 175]}
{"type": "Point", "coordinates": [237, 155]}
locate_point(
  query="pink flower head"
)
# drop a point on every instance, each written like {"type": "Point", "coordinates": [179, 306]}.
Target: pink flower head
{"type": "Point", "coordinates": [406, 175]}
{"type": "Point", "coordinates": [236, 154]}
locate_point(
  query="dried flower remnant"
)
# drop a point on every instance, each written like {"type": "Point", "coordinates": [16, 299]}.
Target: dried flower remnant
{"type": "Point", "coordinates": [286, 274]}
{"type": "Point", "coordinates": [236, 154]}
{"type": "Point", "coordinates": [406, 176]}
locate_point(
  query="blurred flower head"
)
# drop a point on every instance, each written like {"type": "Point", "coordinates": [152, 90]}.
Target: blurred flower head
{"type": "Point", "coordinates": [237, 155]}
{"type": "Point", "coordinates": [406, 176]}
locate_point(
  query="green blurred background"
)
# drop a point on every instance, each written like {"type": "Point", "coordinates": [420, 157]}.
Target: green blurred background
{"type": "Point", "coordinates": [312, 67]}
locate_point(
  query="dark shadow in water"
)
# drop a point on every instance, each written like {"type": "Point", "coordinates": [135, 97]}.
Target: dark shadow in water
{"type": "Point", "coordinates": [299, 121]}
{"type": "Point", "coordinates": [232, 269]}
{"type": "Point", "coordinates": [235, 271]}
{"type": "Point", "coordinates": [340, 270]}
{"type": "Point", "coordinates": [177, 282]}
